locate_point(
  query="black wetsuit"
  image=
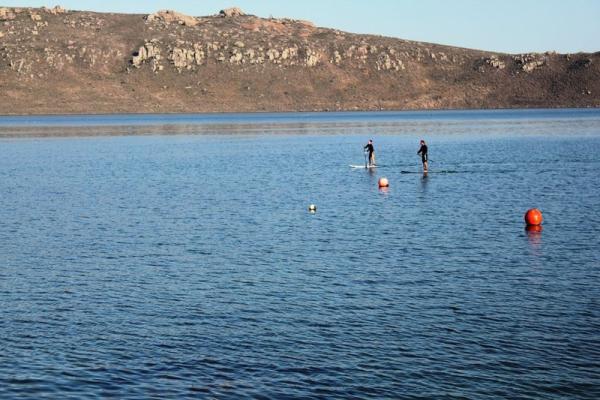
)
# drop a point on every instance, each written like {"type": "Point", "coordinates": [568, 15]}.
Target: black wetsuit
{"type": "Point", "coordinates": [370, 149]}
{"type": "Point", "coordinates": [423, 152]}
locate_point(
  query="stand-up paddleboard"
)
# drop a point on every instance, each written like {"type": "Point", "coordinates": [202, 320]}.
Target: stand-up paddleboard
{"type": "Point", "coordinates": [430, 172]}
{"type": "Point", "coordinates": [363, 166]}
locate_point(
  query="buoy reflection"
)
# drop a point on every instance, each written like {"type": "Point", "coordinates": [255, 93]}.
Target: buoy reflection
{"type": "Point", "coordinates": [533, 229]}
{"type": "Point", "coordinates": [534, 237]}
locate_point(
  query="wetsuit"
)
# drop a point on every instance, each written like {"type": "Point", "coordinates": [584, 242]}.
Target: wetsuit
{"type": "Point", "coordinates": [423, 152]}
{"type": "Point", "coordinates": [370, 149]}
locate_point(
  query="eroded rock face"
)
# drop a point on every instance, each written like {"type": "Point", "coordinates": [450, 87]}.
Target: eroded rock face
{"type": "Point", "coordinates": [183, 58]}
{"type": "Point", "coordinates": [188, 55]}
{"type": "Point", "coordinates": [231, 12]}
{"type": "Point", "coordinates": [170, 16]}
{"type": "Point", "coordinates": [149, 52]}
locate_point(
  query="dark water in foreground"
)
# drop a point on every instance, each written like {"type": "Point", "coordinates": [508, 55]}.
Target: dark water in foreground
{"type": "Point", "coordinates": [188, 266]}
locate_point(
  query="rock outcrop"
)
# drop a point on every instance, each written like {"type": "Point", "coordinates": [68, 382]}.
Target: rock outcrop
{"type": "Point", "coordinates": [149, 52]}
{"type": "Point", "coordinates": [56, 10]}
{"type": "Point", "coordinates": [169, 16]}
{"type": "Point", "coordinates": [495, 62]}
{"type": "Point", "coordinates": [6, 14]}
{"type": "Point", "coordinates": [231, 12]}
{"type": "Point", "coordinates": [529, 62]}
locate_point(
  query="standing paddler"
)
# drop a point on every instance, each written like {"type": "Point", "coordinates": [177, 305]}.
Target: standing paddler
{"type": "Point", "coordinates": [423, 152]}
{"type": "Point", "coordinates": [371, 151]}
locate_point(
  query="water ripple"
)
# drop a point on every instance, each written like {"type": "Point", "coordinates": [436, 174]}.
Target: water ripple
{"type": "Point", "coordinates": [132, 267]}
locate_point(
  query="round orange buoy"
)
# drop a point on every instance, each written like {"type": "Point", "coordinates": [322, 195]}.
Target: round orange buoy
{"type": "Point", "coordinates": [533, 217]}
{"type": "Point", "coordinates": [383, 182]}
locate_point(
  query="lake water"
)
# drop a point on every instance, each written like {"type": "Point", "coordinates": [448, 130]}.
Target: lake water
{"type": "Point", "coordinates": [173, 256]}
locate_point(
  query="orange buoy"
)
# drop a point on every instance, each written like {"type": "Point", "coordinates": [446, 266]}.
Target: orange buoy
{"type": "Point", "coordinates": [533, 217]}
{"type": "Point", "coordinates": [383, 182]}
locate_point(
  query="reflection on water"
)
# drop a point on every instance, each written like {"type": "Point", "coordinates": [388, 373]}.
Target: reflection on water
{"type": "Point", "coordinates": [489, 123]}
{"type": "Point", "coordinates": [534, 230]}
{"type": "Point", "coordinates": [534, 236]}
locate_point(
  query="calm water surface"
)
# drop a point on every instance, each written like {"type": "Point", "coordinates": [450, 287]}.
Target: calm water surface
{"type": "Point", "coordinates": [173, 256]}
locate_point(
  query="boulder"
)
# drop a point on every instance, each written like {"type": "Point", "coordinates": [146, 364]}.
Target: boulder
{"type": "Point", "coordinates": [179, 57]}
{"type": "Point", "coordinates": [56, 10]}
{"type": "Point", "coordinates": [198, 53]}
{"type": "Point", "coordinates": [531, 66]}
{"type": "Point", "coordinates": [312, 58]}
{"type": "Point", "coordinates": [529, 62]}
{"type": "Point", "coordinates": [183, 58]}
{"type": "Point", "coordinates": [495, 62]}
{"type": "Point", "coordinates": [289, 53]}
{"type": "Point", "coordinates": [231, 12]}
{"type": "Point", "coordinates": [169, 16]}
{"type": "Point", "coordinates": [386, 63]}
{"type": "Point", "coordinates": [272, 54]}
{"type": "Point", "coordinates": [236, 58]}
{"type": "Point", "coordinates": [6, 14]}
{"type": "Point", "coordinates": [337, 57]}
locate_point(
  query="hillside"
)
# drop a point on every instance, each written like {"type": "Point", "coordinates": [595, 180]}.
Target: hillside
{"type": "Point", "coordinates": [59, 61]}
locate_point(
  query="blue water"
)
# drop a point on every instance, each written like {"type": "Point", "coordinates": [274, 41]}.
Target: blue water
{"type": "Point", "coordinates": [176, 258]}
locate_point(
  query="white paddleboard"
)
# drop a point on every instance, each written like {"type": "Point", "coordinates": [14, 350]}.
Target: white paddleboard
{"type": "Point", "coordinates": [430, 172]}
{"type": "Point", "coordinates": [363, 166]}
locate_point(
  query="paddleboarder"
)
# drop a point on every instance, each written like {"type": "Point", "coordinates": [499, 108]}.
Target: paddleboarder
{"type": "Point", "coordinates": [423, 152]}
{"type": "Point", "coordinates": [369, 149]}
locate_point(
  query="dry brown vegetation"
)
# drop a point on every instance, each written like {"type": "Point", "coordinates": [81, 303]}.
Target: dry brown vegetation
{"type": "Point", "coordinates": [58, 61]}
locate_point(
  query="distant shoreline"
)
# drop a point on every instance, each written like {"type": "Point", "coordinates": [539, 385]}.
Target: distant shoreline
{"type": "Point", "coordinates": [223, 113]}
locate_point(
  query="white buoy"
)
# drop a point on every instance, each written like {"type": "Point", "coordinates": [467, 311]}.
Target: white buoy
{"type": "Point", "coordinates": [312, 208]}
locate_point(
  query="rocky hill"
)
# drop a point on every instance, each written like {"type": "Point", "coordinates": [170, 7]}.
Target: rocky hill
{"type": "Point", "coordinates": [59, 61]}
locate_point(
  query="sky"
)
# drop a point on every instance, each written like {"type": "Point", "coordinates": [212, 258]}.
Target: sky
{"type": "Point", "coordinates": [509, 26]}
